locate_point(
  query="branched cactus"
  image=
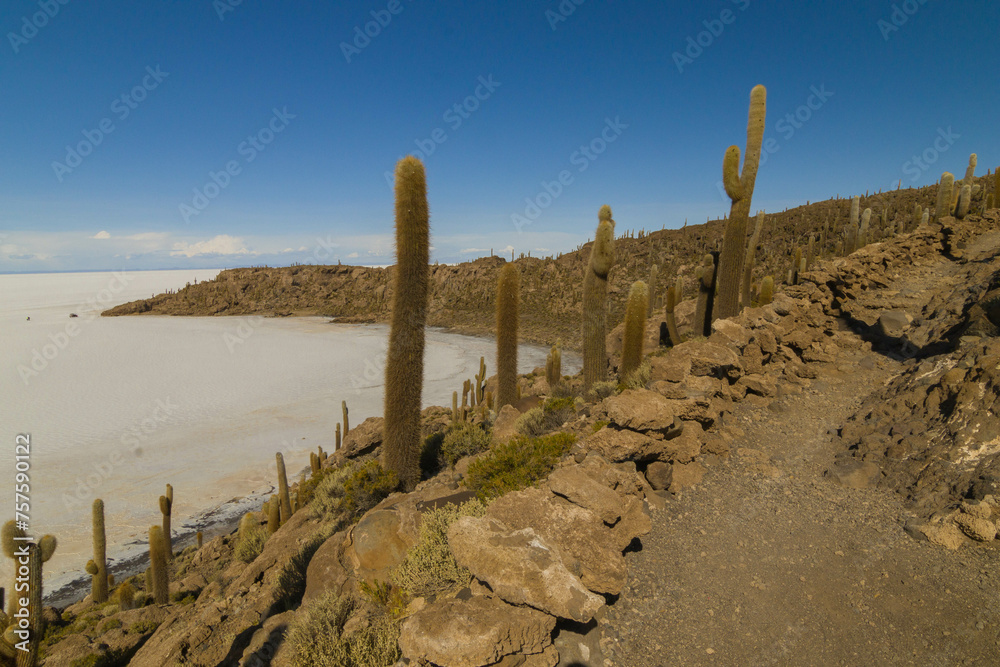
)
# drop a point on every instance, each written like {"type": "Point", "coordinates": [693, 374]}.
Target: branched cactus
{"type": "Point", "coordinates": [286, 503]}
{"type": "Point", "coordinates": [508, 305]}
{"type": "Point", "coordinates": [404, 368]}
{"type": "Point", "coordinates": [635, 329]}
{"type": "Point", "coordinates": [705, 276]}
{"type": "Point", "coordinates": [749, 261]}
{"type": "Point", "coordinates": [99, 582]}
{"type": "Point", "coordinates": [166, 507]}
{"type": "Point", "coordinates": [943, 207]}
{"type": "Point", "coordinates": [595, 298]}
{"type": "Point", "coordinates": [159, 576]}
{"type": "Point", "coordinates": [739, 187]}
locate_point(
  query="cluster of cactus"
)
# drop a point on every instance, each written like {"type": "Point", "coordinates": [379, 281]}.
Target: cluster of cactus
{"type": "Point", "coordinates": [595, 298]}
{"type": "Point", "coordinates": [705, 276]}
{"type": "Point", "coordinates": [404, 368]}
{"type": "Point", "coordinates": [23, 625]}
{"type": "Point", "coordinates": [318, 458]}
{"type": "Point", "coordinates": [553, 366]}
{"type": "Point", "coordinates": [635, 330]}
{"type": "Point", "coordinates": [508, 305]}
{"type": "Point", "coordinates": [739, 186]}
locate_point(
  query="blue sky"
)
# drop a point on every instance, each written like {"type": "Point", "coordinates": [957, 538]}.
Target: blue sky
{"type": "Point", "coordinates": [208, 133]}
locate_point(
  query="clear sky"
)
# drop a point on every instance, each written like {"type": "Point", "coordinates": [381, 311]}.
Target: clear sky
{"type": "Point", "coordinates": [240, 132]}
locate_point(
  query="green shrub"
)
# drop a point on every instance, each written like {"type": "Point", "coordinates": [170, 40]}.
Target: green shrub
{"type": "Point", "coordinates": [430, 567]}
{"type": "Point", "coordinates": [599, 424]}
{"type": "Point", "coordinates": [111, 658]}
{"type": "Point", "coordinates": [251, 542]}
{"type": "Point", "coordinates": [110, 624]}
{"type": "Point", "coordinates": [390, 599]}
{"type": "Point", "coordinates": [639, 378]}
{"type": "Point", "coordinates": [463, 439]}
{"type": "Point", "coordinates": [352, 490]}
{"type": "Point", "coordinates": [516, 464]}
{"type": "Point", "coordinates": [601, 390]}
{"type": "Point", "coordinates": [531, 423]}
{"type": "Point", "coordinates": [317, 637]}
{"type": "Point", "coordinates": [143, 627]}
{"type": "Point", "coordinates": [553, 414]}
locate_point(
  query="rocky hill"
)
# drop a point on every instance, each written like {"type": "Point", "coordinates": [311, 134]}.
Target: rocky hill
{"type": "Point", "coordinates": [817, 482]}
{"type": "Point", "coordinates": [462, 296]}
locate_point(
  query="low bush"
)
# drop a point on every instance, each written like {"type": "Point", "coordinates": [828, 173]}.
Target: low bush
{"type": "Point", "coordinates": [352, 490]}
{"type": "Point", "coordinates": [317, 636]}
{"type": "Point", "coordinates": [516, 464]}
{"type": "Point", "coordinates": [251, 542]}
{"type": "Point", "coordinates": [430, 567]}
{"type": "Point", "coordinates": [463, 439]}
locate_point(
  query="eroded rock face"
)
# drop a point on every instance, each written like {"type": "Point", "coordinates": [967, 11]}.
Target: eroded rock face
{"type": "Point", "coordinates": [580, 489]}
{"type": "Point", "coordinates": [639, 410]}
{"type": "Point", "coordinates": [615, 445]}
{"type": "Point", "coordinates": [521, 567]}
{"type": "Point", "coordinates": [475, 632]}
{"type": "Point", "coordinates": [503, 428]}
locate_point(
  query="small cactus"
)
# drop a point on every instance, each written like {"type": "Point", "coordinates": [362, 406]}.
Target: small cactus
{"type": "Point", "coordinates": [918, 214]}
{"type": "Point", "coordinates": [964, 199]}
{"type": "Point", "coordinates": [635, 329]}
{"type": "Point", "coordinates": [273, 515]}
{"type": "Point", "coordinates": [343, 407]}
{"type": "Point", "coordinates": [198, 537]}
{"type": "Point", "coordinates": [286, 503]}
{"type": "Point", "coordinates": [159, 576]}
{"type": "Point", "coordinates": [125, 596]}
{"type": "Point", "coordinates": [553, 367]}
{"type": "Point", "coordinates": [766, 295]}
{"type": "Point", "coordinates": [99, 581]}
{"type": "Point", "coordinates": [336, 445]}
{"type": "Point", "coordinates": [970, 171]}
{"type": "Point", "coordinates": [508, 305]}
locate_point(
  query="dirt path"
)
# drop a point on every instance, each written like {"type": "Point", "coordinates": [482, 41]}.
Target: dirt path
{"type": "Point", "coordinates": [769, 562]}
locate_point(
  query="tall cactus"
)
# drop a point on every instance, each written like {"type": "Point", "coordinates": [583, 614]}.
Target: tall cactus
{"type": "Point", "coordinates": [404, 368]}
{"type": "Point", "coordinates": [286, 503]}
{"type": "Point", "coordinates": [508, 305]}
{"type": "Point", "coordinates": [865, 229]}
{"type": "Point", "coordinates": [595, 300]}
{"type": "Point", "coordinates": [159, 576]}
{"type": "Point", "coordinates": [26, 603]}
{"type": "Point", "coordinates": [970, 171]}
{"type": "Point", "coordinates": [653, 275]}
{"type": "Point", "coordinates": [750, 258]}
{"type": "Point", "coordinates": [964, 199]}
{"type": "Point", "coordinates": [739, 187]}
{"type": "Point", "coordinates": [166, 507]}
{"type": "Point", "coordinates": [943, 206]}
{"type": "Point", "coordinates": [11, 540]}
{"type": "Point", "coordinates": [336, 442]}
{"type": "Point", "coordinates": [553, 367]}
{"type": "Point", "coordinates": [347, 424]}
{"type": "Point", "coordinates": [918, 214]}
{"type": "Point", "coordinates": [635, 329]}
{"type": "Point", "coordinates": [99, 582]}
{"type": "Point", "coordinates": [273, 515]}
{"type": "Point", "coordinates": [672, 333]}
{"type": "Point", "coordinates": [705, 275]}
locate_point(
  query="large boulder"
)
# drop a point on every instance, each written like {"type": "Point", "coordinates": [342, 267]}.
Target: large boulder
{"type": "Point", "coordinates": [639, 410]}
{"type": "Point", "coordinates": [521, 567]}
{"type": "Point", "coordinates": [572, 483]}
{"type": "Point", "coordinates": [586, 545]}
{"type": "Point", "coordinates": [475, 632]}
{"type": "Point", "coordinates": [363, 438]}
{"type": "Point", "coordinates": [711, 359]}
{"type": "Point", "coordinates": [615, 445]}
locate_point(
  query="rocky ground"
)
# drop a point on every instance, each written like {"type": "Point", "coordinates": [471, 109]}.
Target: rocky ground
{"type": "Point", "coordinates": [813, 484]}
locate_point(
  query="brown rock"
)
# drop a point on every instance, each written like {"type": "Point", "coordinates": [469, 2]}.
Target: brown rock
{"type": "Point", "coordinates": [980, 530]}
{"type": "Point", "coordinates": [521, 568]}
{"type": "Point", "coordinates": [946, 535]}
{"type": "Point", "coordinates": [685, 475]}
{"type": "Point", "coordinates": [615, 445]}
{"type": "Point", "coordinates": [659, 475]}
{"type": "Point", "coordinates": [504, 428]}
{"type": "Point", "coordinates": [762, 385]}
{"type": "Point", "coordinates": [729, 331]}
{"type": "Point", "coordinates": [363, 438]}
{"type": "Point", "coordinates": [635, 523]}
{"type": "Point", "coordinates": [572, 483]}
{"type": "Point", "coordinates": [326, 570]}
{"type": "Point", "coordinates": [767, 341]}
{"type": "Point", "coordinates": [753, 358]}
{"type": "Point", "coordinates": [854, 474]}
{"type": "Point", "coordinates": [712, 359]}
{"type": "Point", "coordinates": [639, 410]}
{"type": "Point", "coordinates": [479, 631]}
{"type": "Point", "coordinates": [669, 367]}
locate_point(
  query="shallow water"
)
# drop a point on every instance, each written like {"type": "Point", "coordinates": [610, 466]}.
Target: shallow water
{"type": "Point", "coordinates": [116, 408]}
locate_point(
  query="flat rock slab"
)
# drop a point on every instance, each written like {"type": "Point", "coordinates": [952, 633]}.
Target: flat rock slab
{"type": "Point", "coordinates": [521, 567]}
{"type": "Point", "coordinates": [581, 489]}
{"type": "Point", "coordinates": [639, 410]}
{"type": "Point", "coordinates": [475, 632]}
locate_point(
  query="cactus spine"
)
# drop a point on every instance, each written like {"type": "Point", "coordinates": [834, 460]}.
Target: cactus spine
{"type": "Point", "coordinates": [404, 368]}
{"type": "Point", "coordinates": [595, 298]}
{"type": "Point", "coordinates": [749, 261]}
{"type": "Point", "coordinates": [166, 506]}
{"type": "Point", "coordinates": [99, 582]}
{"type": "Point", "coordinates": [740, 188]}
{"type": "Point", "coordinates": [159, 577]}
{"type": "Point", "coordinates": [766, 295]}
{"type": "Point", "coordinates": [286, 504]}
{"type": "Point", "coordinates": [944, 196]}
{"type": "Point", "coordinates": [705, 275]}
{"type": "Point", "coordinates": [635, 329]}
{"type": "Point", "coordinates": [674, 336]}
{"type": "Point", "coordinates": [508, 302]}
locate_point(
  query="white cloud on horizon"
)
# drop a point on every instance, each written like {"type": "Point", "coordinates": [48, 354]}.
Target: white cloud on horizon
{"type": "Point", "coordinates": [101, 235]}
{"type": "Point", "coordinates": [223, 244]}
